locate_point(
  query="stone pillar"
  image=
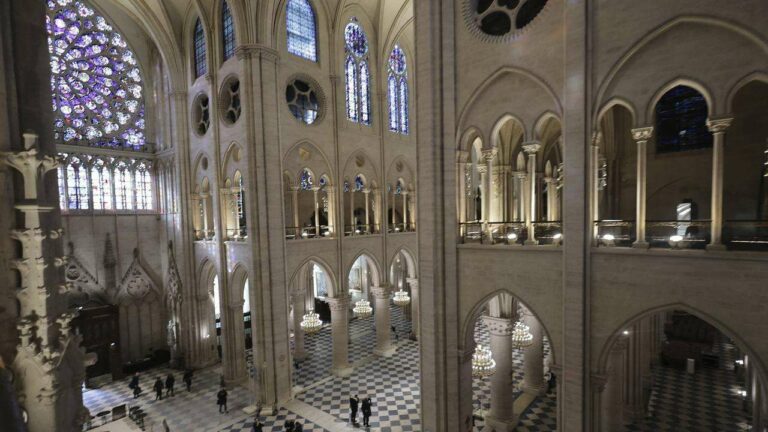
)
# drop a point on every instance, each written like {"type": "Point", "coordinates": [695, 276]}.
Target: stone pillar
{"type": "Point", "coordinates": [717, 127]}
{"type": "Point", "coordinates": [299, 309]}
{"type": "Point", "coordinates": [233, 345]}
{"type": "Point", "coordinates": [531, 149]}
{"type": "Point", "coordinates": [461, 184]}
{"type": "Point", "coordinates": [295, 207]}
{"type": "Point", "coordinates": [415, 316]}
{"type": "Point", "coordinates": [634, 401]}
{"type": "Point", "coordinates": [641, 137]}
{"type": "Point", "coordinates": [612, 401]}
{"type": "Point", "coordinates": [340, 335]}
{"type": "Point", "coordinates": [315, 191]}
{"type": "Point", "coordinates": [520, 206]}
{"type": "Point", "coordinates": [405, 210]}
{"type": "Point", "coordinates": [384, 347]}
{"type": "Point", "coordinates": [352, 211]}
{"type": "Point", "coordinates": [594, 185]}
{"type": "Point", "coordinates": [501, 417]}
{"type": "Point", "coordinates": [551, 198]}
{"type": "Point", "coordinates": [366, 224]}
{"type": "Point", "coordinates": [332, 223]}
{"type": "Point", "coordinates": [533, 382]}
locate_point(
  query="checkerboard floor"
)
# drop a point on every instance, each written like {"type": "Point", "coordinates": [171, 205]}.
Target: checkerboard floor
{"type": "Point", "coordinates": [709, 400]}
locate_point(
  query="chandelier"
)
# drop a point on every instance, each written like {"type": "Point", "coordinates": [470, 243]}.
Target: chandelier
{"type": "Point", "coordinates": [311, 323]}
{"type": "Point", "coordinates": [363, 309]}
{"type": "Point", "coordinates": [521, 336]}
{"type": "Point", "coordinates": [401, 298]}
{"type": "Point", "coordinates": [483, 364]}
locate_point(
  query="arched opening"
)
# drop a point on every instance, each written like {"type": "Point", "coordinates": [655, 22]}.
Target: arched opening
{"type": "Point", "coordinates": [402, 276]}
{"type": "Point", "coordinates": [549, 182]}
{"type": "Point", "coordinates": [745, 176]}
{"type": "Point", "coordinates": [362, 280]}
{"type": "Point", "coordinates": [470, 193]}
{"type": "Point", "coordinates": [673, 369]}
{"type": "Point", "coordinates": [508, 359]}
{"type": "Point", "coordinates": [361, 206]}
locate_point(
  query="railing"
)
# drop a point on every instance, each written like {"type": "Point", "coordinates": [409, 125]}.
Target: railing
{"type": "Point", "coordinates": [471, 232]}
{"type": "Point", "coordinates": [613, 232]}
{"type": "Point", "coordinates": [548, 232]}
{"type": "Point", "coordinates": [203, 235]}
{"type": "Point", "coordinates": [402, 227]}
{"type": "Point", "coordinates": [239, 234]}
{"type": "Point", "coordinates": [358, 230]}
{"type": "Point", "coordinates": [678, 234]}
{"type": "Point", "coordinates": [309, 232]}
{"type": "Point", "coordinates": [746, 234]}
{"type": "Point", "coordinates": [507, 232]}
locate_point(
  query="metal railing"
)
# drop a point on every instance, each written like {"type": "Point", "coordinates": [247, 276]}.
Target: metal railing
{"type": "Point", "coordinates": [678, 234]}
{"type": "Point", "coordinates": [746, 234]}
{"type": "Point", "coordinates": [204, 235]}
{"type": "Point", "coordinates": [471, 232]}
{"type": "Point", "coordinates": [548, 232]}
{"type": "Point", "coordinates": [358, 230]}
{"type": "Point", "coordinates": [614, 232]}
{"type": "Point", "coordinates": [309, 232]}
{"type": "Point", "coordinates": [401, 227]}
{"type": "Point", "coordinates": [237, 234]}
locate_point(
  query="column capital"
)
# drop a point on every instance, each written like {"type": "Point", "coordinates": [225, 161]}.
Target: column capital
{"type": "Point", "coordinates": [597, 138]}
{"type": "Point", "coordinates": [520, 174]}
{"type": "Point", "coordinates": [499, 326]}
{"type": "Point", "coordinates": [255, 50]}
{"type": "Point", "coordinates": [380, 292]}
{"type": "Point", "coordinates": [338, 303]}
{"type": "Point", "coordinates": [531, 147]}
{"type": "Point", "coordinates": [461, 156]}
{"type": "Point", "coordinates": [489, 154]}
{"type": "Point", "coordinates": [413, 282]}
{"type": "Point", "coordinates": [719, 125]}
{"type": "Point", "coordinates": [642, 134]}
{"type": "Point", "coordinates": [482, 169]}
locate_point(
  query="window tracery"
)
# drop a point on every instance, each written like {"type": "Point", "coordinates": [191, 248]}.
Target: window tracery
{"type": "Point", "coordinates": [397, 83]}
{"type": "Point", "coordinates": [101, 185]}
{"type": "Point", "coordinates": [143, 187]}
{"type": "Point", "coordinates": [302, 101]}
{"type": "Point", "coordinates": [306, 181]}
{"type": "Point", "coordinates": [95, 80]}
{"type": "Point", "coordinates": [199, 47]}
{"type": "Point", "coordinates": [77, 184]}
{"type": "Point", "coordinates": [357, 74]}
{"type": "Point", "coordinates": [681, 121]}
{"type": "Point", "coordinates": [228, 31]}
{"type": "Point", "coordinates": [301, 27]}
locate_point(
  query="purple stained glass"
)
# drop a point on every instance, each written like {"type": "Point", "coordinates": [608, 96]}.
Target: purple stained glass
{"type": "Point", "coordinates": [397, 85]}
{"type": "Point", "coordinates": [359, 183]}
{"type": "Point", "coordinates": [306, 180]}
{"type": "Point", "coordinates": [301, 29]}
{"type": "Point", "coordinates": [94, 77]}
{"type": "Point", "coordinates": [357, 74]}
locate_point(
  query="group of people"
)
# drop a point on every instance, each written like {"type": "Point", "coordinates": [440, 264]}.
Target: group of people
{"type": "Point", "coordinates": [365, 408]}
{"type": "Point", "coordinates": [159, 386]}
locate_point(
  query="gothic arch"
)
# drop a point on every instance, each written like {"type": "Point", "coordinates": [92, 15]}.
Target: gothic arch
{"type": "Point", "coordinates": [410, 260]}
{"type": "Point", "coordinates": [756, 76]}
{"type": "Point", "coordinates": [650, 112]}
{"type": "Point", "coordinates": [332, 290]}
{"type": "Point", "coordinates": [188, 42]}
{"type": "Point", "coordinates": [617, 101]}
{"type": "Point", "coordinates": [237, 278]}
{"type": "Point", "coordinates": [303, 154]}
{"type": "Point", "coordinates": [468, 138]}
{"type": "Point", "coordinates": [374, 266]}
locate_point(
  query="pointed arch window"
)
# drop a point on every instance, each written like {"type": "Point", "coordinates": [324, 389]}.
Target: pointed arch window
{"type": "Point", "coordinates": [681, 121]}
{"type": "Point", "coordinates": [77, 184]}
{"type": "Point", "coordinates": [228, 31]}
{"type": "Point", "coordinates": [199, 45]}
{"type": "Point", "coordinates": [301, 26]}
{"type": "Point", "coordinates": [101, 185]}
{"type": "Point", "coordinates": [240, 202]}
{"type": "Point", "coordinates": [306, 181]}
{"type": "Point", "coordinates": [143, 187]}
{"type": "Point", "coordinates": [397, 84]}
{"type": "Point", "coordinates": [96, 83]}
{"type": "Point", "coordinates": [123, 187]}
{"type": "Point", "coordinates": [357, 74]}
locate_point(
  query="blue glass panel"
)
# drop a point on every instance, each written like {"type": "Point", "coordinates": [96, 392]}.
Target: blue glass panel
{"type": "Point", "coordinates": [228, 31]}
{"type": "Point", "coordinates": [350, 74]}
{"type": "Point", "coordinates": [398, 91]}
{"type": "Point", "coordinates": [306, 181]}
{"type": "Point", "coordinates": [681, 121]}
{"type": "Point", "coordinates": [393, 108]}
{"type": "Point", "coordinates": [301, 28]}
{"type": "Point", "coordinates": [403, 101]}
{"type": "Point", "coordinates": [200, 66]}
{"type": "Point", "coordinates": [359, 183]}
{"type": "Point", "coordinates": [365, 93]}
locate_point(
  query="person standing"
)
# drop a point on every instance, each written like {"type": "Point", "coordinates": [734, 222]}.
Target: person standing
{"type": "Point", "coordinates": [188, 379]}
{"type": "Point", "coordinates": [165, 426]}
{"type": "Point", "coordinates": [158, 389]}
{"type": "Point", "coordinates": [134, 382]}
{"type": "Point", "coordinates": [366, 412]}
{"type": "Point", "coordinates": [257, 426]}
{"type": "Point", "coordinates": [353, 403]}
{"type": "Point", "coordinates": [170, 380]}
{"type": "Point", "coordinates": [221, 400]}
{"type": "Point", "coordinates": [297, 427]}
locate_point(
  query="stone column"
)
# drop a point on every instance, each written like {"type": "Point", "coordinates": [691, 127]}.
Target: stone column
{"type": "Point", "coordinates": [384, 347]}
{"type": "Point", "coordinates": [295, 207]}
{"type": "Point", "coordinates": [520, 207]}
{"type": "Point", "coordinates": [641, 137]}
{"type": "Point", "coordinates": [594, 185]}
{"type": "Point", "coordinates": [366, 224]}
{"type": "Point", "coordinates": [352, 211]}
{"type": "Point", "coordinates": [551, 198]}
{"type": "Point", "coordinates": [414, 284]}
{"type": "Point", "coordinates": [299, 309]}
{"type": "Point", "coordinates": [405, 210]}
{"type": "Point", "coordinates": [634, 401]}
{"type": "Point", "coordinates": [315, 191]}
{"type": "Point", "coordinates": [612, 402]}
{"type": "Point", "coordinates": [717, 127]}
{"type": "Point", "coordinates": [533, 382]}
{"type": "Point", "coordinates": [340, 335]}
{"type": "Point", "coordinates": [332, 223]}
{"type": "Point", "coordinates": [488, 155]}
{"type": "Point", "coordinates": [461, 182]}
{"type": "Point", "coordinates": [501, 416]}
{"type": "Point", "coordinates": [531, 149]}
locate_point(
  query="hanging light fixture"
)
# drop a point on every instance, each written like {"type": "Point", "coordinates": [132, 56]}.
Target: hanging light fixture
{"type": "Point", "coordinates": [363, 309]}
{"type": "Point", "coordinates": [311, 323]}
{"type": "Point", "coordinates": [401, 298]}
{"type": "Point", "coordinates": [483, 364]}
{"type": "Point", "coordinates": [521, 336]}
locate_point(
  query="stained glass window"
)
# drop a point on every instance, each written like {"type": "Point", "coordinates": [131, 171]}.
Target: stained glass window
{"type": "Point", "coordinates": [359, 183]}
{"type": "Point", "coordinates": [357, 74]}
{"type": "Point", "coordinates": [240, 201]}
{"type": "Point", "coordinates": [77, 184]}
{"type": "Point", "coordinates": [95, 79]}
{"type": "Point", "coordinates": [306, 181]}
{"type": "Point", "coordinates": [681, 121]}
{"type": "Point", "coordinates": [101, 185]}
{"type": "Point", "coordinates": [199, 42]}
{"type": "Point", "coordinates": [301, 28]}
{"type": "Point", "coordinates": [143, 187]}
{"type": "Point", "coordinates": [397, 84]}
{"type": "Point", "coordinates": [123, 187]}
{"type": "Point", "coordinates": [62, 188]}
{"type": "Point", "coordinates": [302, 101]}
{"type": "Point", "coordinates": [228, 31]}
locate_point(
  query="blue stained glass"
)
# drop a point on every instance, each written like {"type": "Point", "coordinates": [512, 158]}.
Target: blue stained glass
{"type": "Point", "coordinates": [301, 28]}
{"type": "Point", "coordinates": [359, 183]}
{"type": "Point", "coordinates": [77, 185]}
{"type": "Point", "coordinates": [681, 121]}
{"type": "Point", "coordinates": [350, 72]}
{"type": "Point", "coordinates": [346, 185]}
{"type": "Point", "coordinates": [143, 187]}
{"type": "Point", "coordinates": [365, 93]}
{"type": "Point", "coordinates": [94, 77]}
{"type": "Point", "coordinates": [123, 187]}
{"type": "Point", "coordinates": [357, 74]}
{"type": "Point", "coordinates": [398, 91]}
{"type": "Point", "coordinates": [101, 186]}
{"type": "Point", "coordinates": [306, 180]}
{"type": "Point", "coordinates": [199, 44]}
{"type": "Point", "coordinates": [228, 31]}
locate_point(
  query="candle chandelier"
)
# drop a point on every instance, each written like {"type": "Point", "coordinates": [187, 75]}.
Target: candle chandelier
{"type": "Point", "coordinates": [311, 323]}
{"type": "Point", "coordinates": [401, 298]}
{"type": "Point", "coordinates": [521, 336]}
{"type": "Point", "coordinates": [363, 309]}
{"type": "Point", "coordinates": [483, 364]}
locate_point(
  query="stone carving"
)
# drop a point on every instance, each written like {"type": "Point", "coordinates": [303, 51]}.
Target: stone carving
{"type": "Point", "coordinates": [136, 283]}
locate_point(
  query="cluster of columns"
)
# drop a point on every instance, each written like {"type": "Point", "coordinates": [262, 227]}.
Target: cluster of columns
{"type": "Point", "coordinates": [317, 206]}
{"type": "Point", "coordinates": [405, 204]}
{"type": "Point", "coordinates": [203, 217]}
{"type": "Point", "coordinates": [641, 136]}
{"type": "Point", "coordinates": [367, 225]}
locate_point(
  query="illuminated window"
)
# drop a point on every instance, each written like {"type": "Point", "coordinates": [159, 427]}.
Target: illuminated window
{"type": "Point", "coordinates": [123, 187]}
{"type": "Point", "coordinates": [357, 74]}
{"type": "Point", "coordinates": [143, 187]}
{"type": "Point", "coordinates": [301, 28]}
{"type": "Point", "coordinates": [681, 121]}
{"type": "Point", "coordinates": [199, 43]}
{"type": "Point", "coordinates": [397, 84]}
{"type": "Point", "coordinates": [240, 201]}
{"type": "Point", "coordinates": [228, 31]}
{"type": "Point", "coordinates": [306, 181]}
{"type": "Point", "coordinates": [77, 185]}
{"type": "Point", "coordinates": [101, 185]}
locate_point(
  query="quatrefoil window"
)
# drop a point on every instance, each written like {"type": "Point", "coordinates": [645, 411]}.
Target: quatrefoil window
{"type": "Point", "coordinates": [502, 17]}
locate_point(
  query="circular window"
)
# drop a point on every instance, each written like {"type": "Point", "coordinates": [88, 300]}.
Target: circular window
{"type": "Point", "coordinates": [303, 101]}
{"type": "Point", "coordinates": [202, 114]}
{"type": "Point", "coordinates": [230, 101]}
{"type": "Point", "coordinates": [502, 17]}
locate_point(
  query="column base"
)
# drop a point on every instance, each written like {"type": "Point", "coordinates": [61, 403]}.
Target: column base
{"type": "Point", "coordinates": [716, 247]}
{"type": "Point", "coordinates": [531, 242]}
{"type": "Point", "coordinates": [535, 390]}
{"type": "Point", "coordinates": [343, 371]}
{"type": "Point", "coordinates": [501, 425]}
{"type": "Point", "coordinates": [385, 352]}
{"type": "Point", "coordinates": [641, 245]}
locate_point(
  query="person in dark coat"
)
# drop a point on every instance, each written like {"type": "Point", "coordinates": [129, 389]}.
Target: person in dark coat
{"type": "Point", "coordinates": [288, 425]}
{"type": "Point", "coordinates": [134, 382]}
{"type": "Point", "coordinates": [170, 380]}
{"type": "Point", "coordinates": [221, 400]}
{"type": "Point", "coordinates": [158, 389]}
{"type": "Point", "coordinates": [366, 411]}
{"type": "Point", "coordinates": [353, 403]}
{"type": "Point", "coordinates": [297, 427]}
{"type": "Point", "coordinates": [188, 379]}
{"type": "Point", "coordinates": [257, 427]}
